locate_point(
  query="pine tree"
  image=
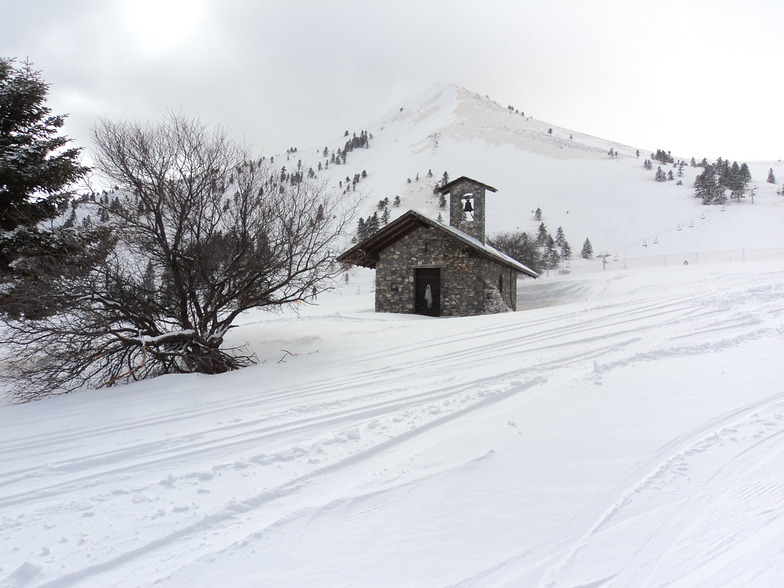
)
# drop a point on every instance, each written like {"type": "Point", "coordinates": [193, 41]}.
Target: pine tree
{"type": "Point", "coordinates": [538, 214]}
{"type": "Point", "coordinates": [541, 235]}
{"type": "Point", "coordinates": [552, 256]}
{"type": "Point", "coordinates": [660, 175]}
{"type": "Point", "coordinates": [36, 169]}
{"type": "Point", "coordinates": [373, 224]}
{"type": "Point", "coordinates": [566, 250]}
{"type": "Point", "coordinates": [560, 239]}
{"type": "Point", "coordinates": [362, 232]}
{"type": "Point", "coordinates": [771, 177]}
{"type": "Point", "coordinates": [35, 165]}
{"type": "Point", "coordinates": [734, 181]}
{"type": "Point", "coordinates": [587, 251]}
{"type": "Point", "coordinates": [745, 174]}
{"type": "Point", "coordinates": [708, 186]}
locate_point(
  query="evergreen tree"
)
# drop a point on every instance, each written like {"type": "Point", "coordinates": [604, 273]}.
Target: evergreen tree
{"type": "Point", "coordinates": [563, 245]}
{"type": "Point", "coordinates": [663, 156]}
{"type": "Point", "coordinates": [361, 229]}
{"type": "Point", "coordinates": [560, 239]}
{"type": "Point", "coordinates": [587, 251]}
{"type": "Point", "coordinates": [541, 235]}
{"type": "Point", "coordinates": [660, 175]}
{"type": "Point", "coordinates": [708, 186]}
{"type": "Point", "coordinates": [538, 214]}
{"type": "Point", "coordinates": [566, 250]}
{"type": "Point", "coordinates": [35, 165]}
{"type": "Point", "coordinates": [551, 253]}
{"type": "Point", "coordinates": [745, 174]}
{"type": "Point", "coordinates": [373, 224]}
{"type": "Point", "coordinates": [771, 177]}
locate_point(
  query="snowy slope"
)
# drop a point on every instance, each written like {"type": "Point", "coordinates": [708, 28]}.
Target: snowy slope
{"type": "Point", "coordinates": [614, 202]}
{"type": "Point", "coordinates": [630, 434]}
{"type": "Point", "coordinates": [624, 428]}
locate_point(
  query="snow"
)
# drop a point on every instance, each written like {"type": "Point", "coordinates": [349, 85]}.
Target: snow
{"type": "Point", "coordinates": [614, 202]}
{"type": "Point", "coordinates": [627, 433]}
{"type": "Point", "coordinates": [623, 428]}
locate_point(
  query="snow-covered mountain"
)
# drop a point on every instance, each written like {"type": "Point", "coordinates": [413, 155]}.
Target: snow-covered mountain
{"type": "Point", "coordinates": [613, 201]}
{"type": "Point", "coordinates": [623, 428]}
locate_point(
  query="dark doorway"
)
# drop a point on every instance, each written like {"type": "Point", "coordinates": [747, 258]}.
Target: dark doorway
{"type": "Point", "coordinates": [427, 291]}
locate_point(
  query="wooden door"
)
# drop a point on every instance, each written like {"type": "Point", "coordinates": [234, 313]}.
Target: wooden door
{"type": "Point", "coordinates": [427, 291]}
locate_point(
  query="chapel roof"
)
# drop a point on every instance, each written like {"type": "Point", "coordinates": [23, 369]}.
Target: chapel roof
{"type": "Point", "coordinates": [366, 252]}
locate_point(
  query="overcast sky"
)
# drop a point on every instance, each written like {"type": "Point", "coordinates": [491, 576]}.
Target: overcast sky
{"type": "Point", "coordinates": [701, 78]}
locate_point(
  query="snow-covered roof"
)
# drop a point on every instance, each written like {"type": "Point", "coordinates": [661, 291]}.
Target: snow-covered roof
{"type": "Point", "coordinates": [365, 253]}
{"type": "Point", "coordinates": [447, 187]}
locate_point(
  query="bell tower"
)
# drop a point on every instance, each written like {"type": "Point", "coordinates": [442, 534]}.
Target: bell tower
{"type": "Point", "coordinates": [467, 205]}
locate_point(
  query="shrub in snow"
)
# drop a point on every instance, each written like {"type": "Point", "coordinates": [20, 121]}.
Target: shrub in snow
{"type": "Point", "coordinates": [216, 233]}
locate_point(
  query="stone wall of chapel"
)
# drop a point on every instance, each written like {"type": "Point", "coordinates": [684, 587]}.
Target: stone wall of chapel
{"type": "Point", "coordinates": [468, 280]}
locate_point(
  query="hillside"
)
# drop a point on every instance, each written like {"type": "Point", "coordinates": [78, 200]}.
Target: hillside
{"type": "Point", "coordinates": [613, 201]}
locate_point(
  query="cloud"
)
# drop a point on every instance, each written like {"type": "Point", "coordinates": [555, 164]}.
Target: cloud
{"type": "Point", "coordinates": [695, 78]}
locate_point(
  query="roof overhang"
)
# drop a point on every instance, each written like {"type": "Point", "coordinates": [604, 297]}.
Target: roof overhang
{"type": "Point", "coordinates": [448, 187]}
{"type": "Point", "coordinates": [367, 252]}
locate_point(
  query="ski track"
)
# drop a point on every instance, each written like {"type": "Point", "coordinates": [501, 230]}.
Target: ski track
{"type": "Point", "coordinates": [746, 430]}
{"type": "Point", "coordinates": [310, 430]}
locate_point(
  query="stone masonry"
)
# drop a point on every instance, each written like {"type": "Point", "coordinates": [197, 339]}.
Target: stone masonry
{"type": "Point", "coordinates": [471, 283]}
{"type": "Point", "coordinates": [471, 224]}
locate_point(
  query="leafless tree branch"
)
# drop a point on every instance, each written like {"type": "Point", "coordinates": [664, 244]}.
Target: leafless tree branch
{"type": "Point", "coordinates": [206, 234]}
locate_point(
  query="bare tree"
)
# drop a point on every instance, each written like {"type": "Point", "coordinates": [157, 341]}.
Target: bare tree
{"type": "Point", "coordinates": [205, 234]}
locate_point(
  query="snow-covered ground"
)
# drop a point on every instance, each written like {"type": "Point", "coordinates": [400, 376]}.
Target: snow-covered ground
{"type": "Point", "coordinates": [624, 428]}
